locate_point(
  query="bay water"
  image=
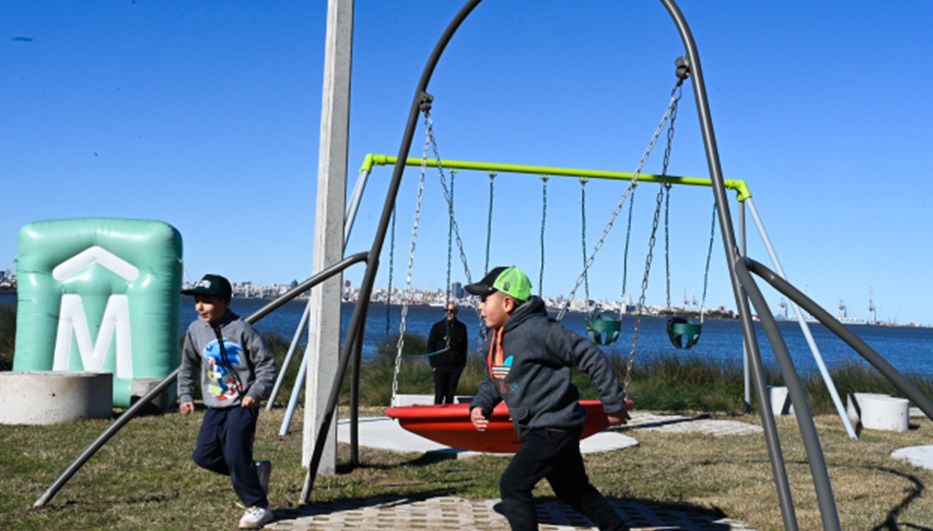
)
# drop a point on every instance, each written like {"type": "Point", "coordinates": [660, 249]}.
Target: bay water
{"type": "Point", "coordinates": [908, 349]}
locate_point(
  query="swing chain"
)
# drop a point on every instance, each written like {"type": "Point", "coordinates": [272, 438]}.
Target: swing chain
{"type": "Point", "coordinates": [429, 132]}
{"type": "Point", "coordinates": [586, 278]}
{"type": "Point", "coordinates": [448, 196]}
{"type": "Point", "coordinates": [544, 180]}
{"type": "Point", "coordinates": [450, 239]}
{"type": "Point", "coordinates": [709, 255]}
{"type": "Point", "coordinates": [667, 241]}
{"type": "Point", "coordinates": [672, 112]}
{"type": "Point", "coordinates": [628, 236]}
{"type": "Point", "coordinates": [400, 344]}
{"type": "Point", "coordinates": [391, 273]}
{"type": "Point", "coordinates": [492, 179]}
{"type": "Point", "coordinates": [672, 106]}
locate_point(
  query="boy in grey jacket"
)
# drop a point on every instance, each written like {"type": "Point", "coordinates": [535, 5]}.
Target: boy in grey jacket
{"type": "Point", "coordinates": [530, 361]}
{"type": "Point", "coordinates": [236, 373]}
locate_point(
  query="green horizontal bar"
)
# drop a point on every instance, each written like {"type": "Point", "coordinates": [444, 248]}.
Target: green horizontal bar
{"type": "Point", "coordinates": [740, 187]}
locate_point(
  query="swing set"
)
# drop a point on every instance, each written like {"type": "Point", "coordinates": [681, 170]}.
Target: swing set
{"type": "Point", "coordinates": [603, 328]}
{"type": "Point", "coordinates": [450, 424]}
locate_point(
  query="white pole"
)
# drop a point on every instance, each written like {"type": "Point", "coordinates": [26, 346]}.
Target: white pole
{"type": "Point", "coordinates": [746, 375]}
{"type": "Point", "coordinates": [288, 357]}
{"type": "Point", "coordinates": [329, 226]}
{"type": "Point", "coordinates": [300, 379]}
{"type": "Point", "coordinates": [804, 327]}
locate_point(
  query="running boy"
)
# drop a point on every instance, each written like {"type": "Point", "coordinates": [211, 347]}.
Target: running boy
{"type": "Point", "coordinates": [237, 371]}
{"type": "Point", "coordinates": [530, 361]}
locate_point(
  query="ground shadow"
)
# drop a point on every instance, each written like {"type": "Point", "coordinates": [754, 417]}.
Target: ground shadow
{"type": "Point", "coordinates": [387, 511]}
{"type": "Point", "coordinates": [637, 513]}
{"type": "Point", "coordinates": [891, 519]}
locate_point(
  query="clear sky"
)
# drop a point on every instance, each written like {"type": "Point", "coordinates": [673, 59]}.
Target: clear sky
{"type": "Point", "coordinates": [206, 115]}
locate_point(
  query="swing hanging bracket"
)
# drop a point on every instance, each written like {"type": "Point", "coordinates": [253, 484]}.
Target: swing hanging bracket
{"type": "Point", "coordinates": [683, 68]}
{"type": "Point", "coordinates": [425, 101]}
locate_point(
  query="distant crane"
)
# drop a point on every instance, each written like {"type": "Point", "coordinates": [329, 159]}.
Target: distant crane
{"type": "Point", "coordinates": [871, 305]}
{"type": "Point", "coordinates": [842, 309]}
{"type": "Point", "coordinates": [783, 305]}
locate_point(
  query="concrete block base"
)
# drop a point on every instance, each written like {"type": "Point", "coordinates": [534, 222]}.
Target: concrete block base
{"type": "Point", "coordinates": [780, 400]}
{"type": "Point", "coordinates": [51, 397]}
{"type": "Point", "coordinates": [876, 411]}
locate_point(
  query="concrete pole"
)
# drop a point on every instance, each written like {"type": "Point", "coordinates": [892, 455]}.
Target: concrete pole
{"type": "Point", "coordinates": [324, 321]}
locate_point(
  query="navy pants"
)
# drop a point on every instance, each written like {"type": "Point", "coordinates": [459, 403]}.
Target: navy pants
{"type": "Point", "coordinates": [555, 455]}
{"type": "Point", "coordinates": [225, 446]}
{"type": "Point", "coordinates": [445, 384]}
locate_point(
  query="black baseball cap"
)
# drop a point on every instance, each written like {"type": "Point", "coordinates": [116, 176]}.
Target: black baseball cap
{"type": "Point", "coordinates": [214, 285]}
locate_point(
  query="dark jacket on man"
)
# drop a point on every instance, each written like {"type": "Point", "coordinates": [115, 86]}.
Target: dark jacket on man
{"type": "Point", "coordinates": [437, 340]}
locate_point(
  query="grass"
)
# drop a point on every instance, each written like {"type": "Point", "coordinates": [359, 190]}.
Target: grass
{"type": "Point", "coordinates": [145, 477]}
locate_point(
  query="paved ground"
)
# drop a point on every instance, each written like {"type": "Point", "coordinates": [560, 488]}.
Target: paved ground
{"type": "Point", "coordinates": [452, 513]}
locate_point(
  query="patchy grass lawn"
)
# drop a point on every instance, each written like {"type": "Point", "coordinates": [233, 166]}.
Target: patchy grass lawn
{"type": "Point", "coordinates": [144, 478]}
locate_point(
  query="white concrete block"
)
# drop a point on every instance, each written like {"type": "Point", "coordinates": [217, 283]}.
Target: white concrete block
{"type": "Point", "coordinates": [780, 400]}
{"type": "Point", "coordinates": [884, 413]}
{"type": "Point", "coordinates": [414, 400]}
{"type": "Point", "coordinates": [51, 397]}
{"type": "Point", "coordinates": [854, 404]}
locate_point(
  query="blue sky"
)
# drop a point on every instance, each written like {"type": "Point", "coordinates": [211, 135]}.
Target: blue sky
{"type": "Point", "coordinates": [206, 115]}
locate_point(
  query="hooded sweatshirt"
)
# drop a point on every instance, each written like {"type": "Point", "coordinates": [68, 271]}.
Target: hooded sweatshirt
{"type": "Point", "coordinates": [532, 372]}
{"type": "Point", "coordinates": [244, 367]}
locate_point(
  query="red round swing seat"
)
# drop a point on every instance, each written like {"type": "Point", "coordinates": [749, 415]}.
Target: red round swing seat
{"type": "Point", "coordinates": [450, 425]}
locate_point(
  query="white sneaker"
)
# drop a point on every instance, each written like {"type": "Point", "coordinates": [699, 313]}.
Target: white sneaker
{"type": "Point", "coordinates": [255, 518]}
{"type": "Point", "coordinates": [264, 470]}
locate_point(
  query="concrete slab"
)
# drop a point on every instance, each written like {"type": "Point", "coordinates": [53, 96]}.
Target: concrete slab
{"type": "Point", "coordinates": [681, 424]}
{"type": "Point", "coordinates": [384, 433]}
{"type": "Point", "coordinates": [454, 513]}
{"type": "Point", "coordinates": [921, 456]}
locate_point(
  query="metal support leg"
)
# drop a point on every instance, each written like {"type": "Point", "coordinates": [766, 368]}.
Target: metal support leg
{"type": "Point", "coordinates": [897, 379]}
{"type": "Point", "coordinates": [302, 323]}
{"type": "Point", "coordinates": [798, 396]}
{"type": "Point", "coordinates": [355, 394]}
{"type": "Point", "coordinates": [804, 327]}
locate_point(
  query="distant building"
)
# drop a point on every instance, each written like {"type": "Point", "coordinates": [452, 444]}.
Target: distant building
{"type": "Point", "coordinates": [457, 289]}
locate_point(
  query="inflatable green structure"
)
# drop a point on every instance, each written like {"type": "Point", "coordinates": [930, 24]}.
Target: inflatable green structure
{"type": "Point", "coordinates": [99, 294]}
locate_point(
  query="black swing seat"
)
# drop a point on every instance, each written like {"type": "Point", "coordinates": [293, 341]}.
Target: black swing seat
{"type": "Point", "coordinates": [602, 328]}
{"type": "Point", "coordinates": [683, 332]}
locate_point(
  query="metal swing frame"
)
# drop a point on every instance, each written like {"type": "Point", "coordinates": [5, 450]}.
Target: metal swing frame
{"type": "Point", "coordinates": [744, 287]}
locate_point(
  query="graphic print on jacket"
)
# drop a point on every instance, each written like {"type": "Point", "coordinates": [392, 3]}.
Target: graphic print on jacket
{"type": "Point", "coordinates": [220, 375]}
{"type": "Point", "coordinates": [499, 368]}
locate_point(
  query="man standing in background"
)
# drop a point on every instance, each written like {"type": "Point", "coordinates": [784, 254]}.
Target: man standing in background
{"type": "Point", "coordinates": [447, 366]}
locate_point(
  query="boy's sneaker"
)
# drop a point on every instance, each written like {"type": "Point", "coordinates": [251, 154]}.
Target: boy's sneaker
{"type": "Point", "coordinates": [264, 470]}
{"type": "Point", "coordinates": [255, 518]}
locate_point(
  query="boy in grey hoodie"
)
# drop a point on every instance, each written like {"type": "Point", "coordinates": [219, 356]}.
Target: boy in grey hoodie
{"type": "Point", "coordinates": [530, 361]}
{"type": "Point", "coordinates": [236, 373]}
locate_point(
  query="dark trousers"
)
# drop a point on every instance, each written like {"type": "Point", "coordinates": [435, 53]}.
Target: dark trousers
{"type": "Point", "coordinates": [445, 384]}
{"type": "Point", "coordinates": [555, 455]}
{"type": "Point", "coordinates": [225, 446]}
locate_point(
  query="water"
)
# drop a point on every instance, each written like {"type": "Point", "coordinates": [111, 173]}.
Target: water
{"type": "Point", "coordinates": [910, 350]}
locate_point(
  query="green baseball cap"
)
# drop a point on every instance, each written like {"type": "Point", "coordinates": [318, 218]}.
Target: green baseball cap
{"type": "Point", "coordinates": [507, 279]}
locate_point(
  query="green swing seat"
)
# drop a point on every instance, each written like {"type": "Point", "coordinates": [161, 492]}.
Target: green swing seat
{"type": "Point", "coordinates": [683, 332]}
{"type": "Point", "coordinates": [602, 328]}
